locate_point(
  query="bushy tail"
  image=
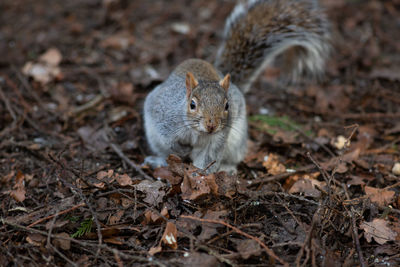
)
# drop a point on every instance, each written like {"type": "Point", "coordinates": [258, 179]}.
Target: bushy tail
{"type": "Point", "coordinates": [292, 33]}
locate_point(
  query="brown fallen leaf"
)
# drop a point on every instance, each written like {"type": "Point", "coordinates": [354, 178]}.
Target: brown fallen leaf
{"type": "Point", "coordinates": [154, 250]}
{"type": "Point", "coordinates": [94, 139]}
{"type": "Point", "coordinates": [379, 230]}
{"type": "Point", "coordinates": [114, 240]}
{"type": "Point", "coordinates": [272, 164]}
{"type": "Point", "coordinates": [308, 186]}
{"type": "Point", "coordinates": [196, 259]}
{"type": "Point", "coordinates": [152, 189]}
{"type": "Point", "coordinates": [196, 185]}
{"type": "Point", "coordinates": [226, 184]}
{"type": "Point", "coordinates": [126, 202]}
{"type": "Point", "coordinates": [52, 57]}
{"type": "Point", "coordinates": [105, 175]}
{"type": "Point", "coordinates": [169, 237]}
{"type": "Point", "coordinates": [248, 248]}
{"type": "Point", "coordinates": [381, 197]}
{"type": "Point", "coordinates": [64, 244]}
{"type": "Point", "coordinates": [210, 229]}
{"type": "Point", "coordinates": [7, 178]}
{"type": "Point", "coordinates": [166, 173]}
{"type": "Point", "coordinates": [115, 218]}
{"type": "Point", "coordinates": [18, 193]}
{"type": "Point", "coordinates": [151, 217]}
{"type": "Point", "coordinates": [123, 179]}
{"type": "Point", "coordinates": [119, 41]}
{"type": "Point", "coordinates": [36, 240]}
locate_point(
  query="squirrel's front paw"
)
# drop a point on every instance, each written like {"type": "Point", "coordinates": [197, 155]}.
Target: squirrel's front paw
{"type": "Point", "coordinates": [229, 169]}
{"type": "Point", "coordinates": [181, 149]}
{"type": "Point", "coordinates": [155, 162]}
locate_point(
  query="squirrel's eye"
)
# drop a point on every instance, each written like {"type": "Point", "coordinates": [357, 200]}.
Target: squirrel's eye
{"type": "Point", "coordinates": [192, 105]}
{"type": "Point", "coordinates": [226, 106]}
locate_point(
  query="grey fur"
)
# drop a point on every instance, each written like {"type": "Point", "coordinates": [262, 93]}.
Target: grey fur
{"type": "Point", "coordinates": [168, 130]}
{"type": "Point", "coordinates": [308, 32]}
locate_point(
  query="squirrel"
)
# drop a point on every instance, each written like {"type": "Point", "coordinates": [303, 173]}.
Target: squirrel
{"type": "Point", "coordinates": [199, 111]}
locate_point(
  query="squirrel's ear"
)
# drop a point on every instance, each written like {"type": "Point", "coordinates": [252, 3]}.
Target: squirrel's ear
{"type": "Point", "coordinates": [225, 82]}
{"type": "Point", "coordinates": [191, 83]}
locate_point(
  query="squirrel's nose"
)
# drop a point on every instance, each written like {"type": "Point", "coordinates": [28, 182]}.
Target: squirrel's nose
{"type": "Point", "coordinates": [210, 128]}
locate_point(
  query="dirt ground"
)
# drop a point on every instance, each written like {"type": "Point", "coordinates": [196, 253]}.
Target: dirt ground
{"type": "Point", "coordinates": [319, 186]}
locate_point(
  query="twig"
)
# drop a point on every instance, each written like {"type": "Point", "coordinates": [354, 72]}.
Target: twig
{"type": "Point", "coordinates": [269, 251]}
{"type": "Point", "coordinates": [57, 214]}
{"type": "Point", "coordinates": [370, 116]}
{"type": "Point", "coordinates": [84, 244]}
{"type": "Point", "coordinates": [217, 255]}
{"type": "Point", "coordinates": [354, 230]}
{"type": "Point", "coordinates": [208, 166]}
{"type": "Point", "coordinates": [49, 245]}
{"type": "Point", "coordinates": [130, 162]}
{"type": "Point", "coordinates": [28, 87]}
{"type": "Point", "coordinates": [280, 176]}
{"type": "Point", "coordinates": [308, 239]}
{"type": "Point", "coordinates": [8, 105]}
{"type": "Point", "coordinates": [328, 178]}
{"type": "Point", "coordinates": [92, 103]}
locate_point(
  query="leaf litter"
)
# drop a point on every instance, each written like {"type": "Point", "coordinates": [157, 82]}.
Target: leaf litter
{"type": "Point", "coordinates": [320, 183]}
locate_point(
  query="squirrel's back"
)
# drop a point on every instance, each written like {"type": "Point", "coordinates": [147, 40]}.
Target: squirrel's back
{"type": "Point", "coordinates": [261, 32]}
{"type": "Point", "coordinates": [202, 69]}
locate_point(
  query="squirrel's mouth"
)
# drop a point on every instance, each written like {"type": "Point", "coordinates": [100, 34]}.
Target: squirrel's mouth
{"type": "Point", "coordinates": [209, 130]}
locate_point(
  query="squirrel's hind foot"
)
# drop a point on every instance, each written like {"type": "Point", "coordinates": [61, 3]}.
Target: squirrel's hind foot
{"type": "Point", "coordinates": [229, 169]}
{"type": "Point", "coordinates": [155, 162]}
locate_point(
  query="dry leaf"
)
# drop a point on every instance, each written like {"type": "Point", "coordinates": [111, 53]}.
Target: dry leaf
{"type": "Point", "coordinates": [154, 250]}
{"type": "Point", "coordinates": [46, 70]}
{"type": "Point", "coordinates": [123, 180]}
{"type": "Point", "coordinates": [62, 243]}
{"type": "Point", "coordinates": [114, 240]}
{"type": "Point", "coordinates": [382, 197]}
{"type": "Point", "coordinates": [272, 164]}
{"type": "Point", "coordinates": [226, 184]}
{"type": "Point", "coordinates": [166, 173]}
{"type": "Point", "coordinates": [198, 189]}
{"type": "Point", "coordinates": [126, 202]}
{"type": "Point", "coordinates": [18, 193]}
{"type": "Point", "coordinates": [154, 195]}
{"type": "Point", "coordinates": [210, 229]}
{"type": "Point", "coordinates": [106, 176]}
{"type": "Point", "coordinates": [116, 217]}
{"type": "Point", "coordinates": [340, 142]}
{"type": "Point", "coordinates": [36, 239]}
{"type": "Point", "coordinates": [195, 259]}
{"type": "Point", "coordinates": [169, 237]}
{"type": "Point", "coordinates": [307, 185]}
{"type": "Point", "coordinates": [51, 57]}
{"type": "Point", "coordinates": [248, 248]}
{"type": "Point", "coordinates": [151, 217]}
{"type": "Point", "coordinates": [100, 185]}
{"type": "Point", "coordinates": [119, 41]}
{"type": "Point", "coordinates": [379, 230]}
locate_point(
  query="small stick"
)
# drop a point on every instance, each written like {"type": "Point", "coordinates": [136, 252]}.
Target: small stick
{"type": "Point", "coordinates": [269, 251]}
{"type": "Point", "coordinates": [280, 176]}
{"type": "Point", "coordinates": [354, 230]}
{"type": "Point", "coordinates": [209, 165]}
{"type": "Point", "coordinates": [56, 214]}
{"type": "Point", "coordinates": [130, 162]}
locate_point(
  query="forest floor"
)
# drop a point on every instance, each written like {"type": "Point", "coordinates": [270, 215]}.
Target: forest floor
{"type": "Point", "coordinates": [319, 185]}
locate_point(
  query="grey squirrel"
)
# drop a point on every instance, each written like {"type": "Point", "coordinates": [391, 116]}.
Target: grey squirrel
{"type": "Point", "coordinates": [199, 111]}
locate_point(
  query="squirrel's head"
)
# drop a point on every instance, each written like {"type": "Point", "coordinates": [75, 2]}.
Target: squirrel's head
{"type": "Point", "coordinates": [207, 103]}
